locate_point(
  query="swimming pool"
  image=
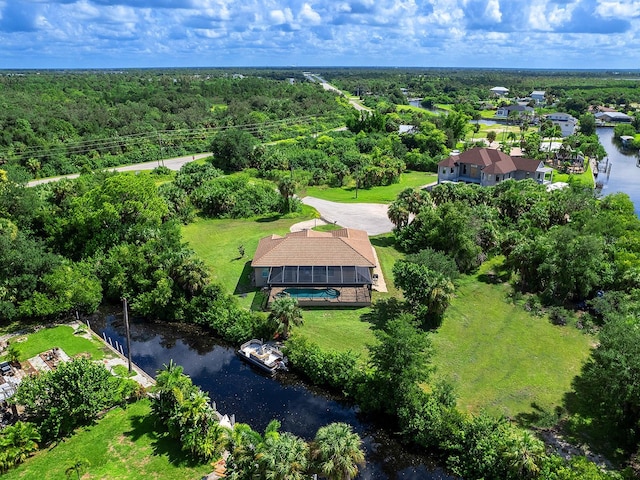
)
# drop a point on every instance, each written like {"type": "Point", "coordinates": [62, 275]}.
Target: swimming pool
{"type": "Point", "coordinates": [312, 292]}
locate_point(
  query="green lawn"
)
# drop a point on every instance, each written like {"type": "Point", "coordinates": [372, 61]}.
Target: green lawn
{"type": "Point", "coordinates": [61, 336]}
{"type": "Point", "coordinates": [585, 178]}
{"type": "Point", "coordinates": [122, 446]}
{"type": "Point", "coordinates": [337, 329]}
{"type": "Point", "coordinates": [499, 357]}
{"type": "Point", "coordinates": [385, 194]}
{"type": "Point", "coordinates": [216, 243]}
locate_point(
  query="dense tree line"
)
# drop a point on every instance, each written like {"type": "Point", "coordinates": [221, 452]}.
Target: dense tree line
{"type": "Point", "coordinates": [65, 122]}
{"type": "Point", "coordinates": [71, 245]}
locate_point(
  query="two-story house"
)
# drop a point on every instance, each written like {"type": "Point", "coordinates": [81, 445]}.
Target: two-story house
{"type": "Point", "coordinates": [488, 167]}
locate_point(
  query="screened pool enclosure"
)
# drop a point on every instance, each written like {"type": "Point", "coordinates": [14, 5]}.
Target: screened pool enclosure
{"type": "Point", "coordinates": [319, 275]}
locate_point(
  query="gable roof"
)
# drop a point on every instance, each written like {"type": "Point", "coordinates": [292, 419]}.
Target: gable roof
{"type": "Point", "coordinates": [344, 247]}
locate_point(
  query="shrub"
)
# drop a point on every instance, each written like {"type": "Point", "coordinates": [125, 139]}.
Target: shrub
{"type": "Point", "coordinates": [336, 370]}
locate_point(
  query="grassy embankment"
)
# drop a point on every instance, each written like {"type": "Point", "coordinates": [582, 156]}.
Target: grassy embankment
{"type": "Point", "coordinates": [122, 445]}
{"type": "Point", "coordinates": [61, 336]}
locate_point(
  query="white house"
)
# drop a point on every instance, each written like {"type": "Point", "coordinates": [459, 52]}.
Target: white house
{"type": "Point", "coordinates": [617, 117]}
{"type": "Point", "coordinates": [500, 91]}
{"type": "Point", "coordinates": [566, 122]}
{"type": "Point", "coordinates": [514, 110]}
{"type": "Point", "coordinates": [538, 96]}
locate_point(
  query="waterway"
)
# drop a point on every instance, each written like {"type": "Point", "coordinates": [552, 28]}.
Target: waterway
{"type": "Point", "coordinates": [625, 169]}
{"type": "Point", "coordinates": [255, 399]}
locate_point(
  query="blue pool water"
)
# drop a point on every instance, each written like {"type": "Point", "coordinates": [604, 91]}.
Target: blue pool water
{"type": "Point", "coordinates": [312, 292]}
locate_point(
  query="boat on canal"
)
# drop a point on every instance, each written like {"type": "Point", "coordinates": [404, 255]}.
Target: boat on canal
{"type": "Point", "coordinates": [265, 356]}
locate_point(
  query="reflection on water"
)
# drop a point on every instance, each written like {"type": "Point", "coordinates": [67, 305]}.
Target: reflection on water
{"type": "Point", "coordinates": [625, 173]}
{"type": "Point", "coordinates": [256, 399]}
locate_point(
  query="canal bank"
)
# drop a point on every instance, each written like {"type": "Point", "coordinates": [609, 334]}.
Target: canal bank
{"type": "Point", "coordinates": [624, 175]}
{"type": "Point", "coordinates": [256, 399]}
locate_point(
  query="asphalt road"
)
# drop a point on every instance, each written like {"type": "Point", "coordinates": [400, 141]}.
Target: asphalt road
{"type": "Point", "coordinates": [170, 163]}
{"type": "Point", "coordinates": [370, 217]}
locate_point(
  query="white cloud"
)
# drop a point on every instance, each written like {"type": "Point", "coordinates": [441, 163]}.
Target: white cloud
{"type": "Point", "coordinates": [309, 15]}
{"type": "Point", "coordinates": [624, 9]}
{"type": "Point", "coordinates": [305, 32]}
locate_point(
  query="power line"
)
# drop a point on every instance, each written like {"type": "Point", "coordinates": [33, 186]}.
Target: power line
{"type": "Point", "coordinates": [86, 146]}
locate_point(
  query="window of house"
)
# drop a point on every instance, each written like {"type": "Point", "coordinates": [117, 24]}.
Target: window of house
{"type": "Point", "coordinates": [451, 169]}
{"type": "Point", "coordinates": [497, 178]}
{"type": "Point", "coordinates": [444, 171]}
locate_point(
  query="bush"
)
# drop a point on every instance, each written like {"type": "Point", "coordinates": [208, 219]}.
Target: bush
{"type": "Point", "coordinates": [336, 370]}
{"type": "Point", "coordinates": [70, 396]}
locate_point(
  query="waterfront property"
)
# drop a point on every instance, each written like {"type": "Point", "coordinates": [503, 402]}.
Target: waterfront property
{"type": "Point", "coordinates": [516, 111]}
{"type": "Point", "coordinates": [566, 122]}
{"type": "Point", "coordinates": [488, 167]}
{"type": "Point", "coordinates": [318, 268]}
{"type": "Point", "coordinates": [612, 117]}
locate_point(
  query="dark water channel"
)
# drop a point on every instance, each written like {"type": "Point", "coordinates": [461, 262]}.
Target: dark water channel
{"type": "Point", "coordinates": [625, 169]}
{"type": "Point", "coordinates": [256, 399]}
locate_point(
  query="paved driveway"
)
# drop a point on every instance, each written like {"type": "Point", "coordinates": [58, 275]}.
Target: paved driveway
{"type": "Point", "coordinates": [371, 217]}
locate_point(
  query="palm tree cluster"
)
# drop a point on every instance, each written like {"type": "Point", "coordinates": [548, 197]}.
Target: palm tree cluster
{"type": "Point", "coordinates": [17, 442]}
{"type": "Point", "coordinates": [186, 412]}
{"type": "Point", "coordinates": [335, 454]}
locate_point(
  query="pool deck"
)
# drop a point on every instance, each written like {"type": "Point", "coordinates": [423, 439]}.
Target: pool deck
{"type": "Point", "coordinates": [349, 297]}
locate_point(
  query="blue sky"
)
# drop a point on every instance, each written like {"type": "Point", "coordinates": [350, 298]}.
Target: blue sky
{"type": "Point", "coordinates": [423, 33]}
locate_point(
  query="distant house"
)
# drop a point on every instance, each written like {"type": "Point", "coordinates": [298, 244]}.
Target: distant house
{"type": "Point", "coordinates": [318, 268]}
{"type": "Point", "coordinates": [407, 129]}
{"type": "Point", "coordinates": [539, 96]}
{"type": "Point", "coordinates": [514, 110]}
{"type": "Point", "coordinates": [613, 117]}
{"type": "Point", "coordinates": [566, 122]}
{"type": "Point", "coordinates": [488, 167]}
{"type": "Point", "coordinates": [500, 91]}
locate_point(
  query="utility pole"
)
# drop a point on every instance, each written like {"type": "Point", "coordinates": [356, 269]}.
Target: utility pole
{"type": "Point", "coordinates": [126, 325]}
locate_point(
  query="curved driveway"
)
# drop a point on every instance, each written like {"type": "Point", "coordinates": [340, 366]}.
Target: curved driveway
{"type": "Point", "coordinates": [371, 217]}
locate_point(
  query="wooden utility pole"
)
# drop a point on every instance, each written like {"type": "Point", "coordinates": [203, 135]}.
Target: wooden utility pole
{"type": "Point", "coordinates": [126, 326]}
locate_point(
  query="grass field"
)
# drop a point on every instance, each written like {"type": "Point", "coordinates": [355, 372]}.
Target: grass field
{"type": "Point", "coordinates": [385, 194]}
{"type": "Point", "coordinates": [122, 446]}
{"type": "Point", "coordinates": [61, 336]}
{"type": "Point", "coordinates": [216, 242]}
{"type": "Point", "coordinates": [499, 357]}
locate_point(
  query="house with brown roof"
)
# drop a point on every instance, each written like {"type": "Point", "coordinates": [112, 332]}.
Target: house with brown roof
{"type": "Point", "coordinates": [488, 167]}
{"type": "Point", "coordinates": [318, 268]}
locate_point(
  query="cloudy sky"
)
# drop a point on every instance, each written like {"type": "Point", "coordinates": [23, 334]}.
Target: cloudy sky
{"type": "Point", "coordinates": [211, 33]}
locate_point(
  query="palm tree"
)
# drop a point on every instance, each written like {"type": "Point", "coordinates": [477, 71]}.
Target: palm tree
{"type": "Point", "coordinates": [524, 454]}
{"type": "Point", "coordinates": [285, 312]}
{"type": "Point", "coordinates": [337, 452]}
{"type": "Point", "coordinates": [398, 214]}
{"type": "Point", "coordinates": [18, 441]}
{"type": "Point", "coordinates": [283, 457]}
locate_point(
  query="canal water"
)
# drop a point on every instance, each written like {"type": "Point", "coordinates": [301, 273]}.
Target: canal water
{"type": "Point", "coordinates": [255, 399]}
{"type": "Point", "coordinates": [625, 169]}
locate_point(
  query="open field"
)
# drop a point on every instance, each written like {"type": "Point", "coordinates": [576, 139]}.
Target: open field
{"type": "Point", "coordinates": [386, 194]}
{"type": "Point", "coordinates": [122, 445]}
{"type": "Point", "coordinates": [499, 357]}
